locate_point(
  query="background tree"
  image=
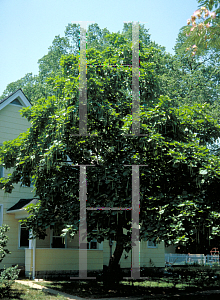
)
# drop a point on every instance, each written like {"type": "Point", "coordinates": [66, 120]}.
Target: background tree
{"type": "Point", "coordinates": [198, 76]}
{"type": "Point", "coordinates": [203, 28]}
{"type": "Point", "coordinates": [38, 86]}
{"type": "Point", "coordinates": [197, 50]}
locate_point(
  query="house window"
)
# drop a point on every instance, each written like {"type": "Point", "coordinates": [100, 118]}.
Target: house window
{"type": "Point", "coordinates": [23, 236]}
{"type": "Point", "coordinates": [1, 171]}
{"type": "Point", "coordinates": [151, 244]}
{"type": "Point", "coordinates": [31, 184]}
{"type": "Point", "coordinates": [16, 102]}
{"type": "Point", "coordinates": [57, 241]}
{"type": "Point", "coordinates": [92, 244]}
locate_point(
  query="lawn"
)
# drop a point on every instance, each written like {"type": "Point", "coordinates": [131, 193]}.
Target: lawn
{"type": "Point", "coordinates": [161, 289]}
{"type": "Point", "coordinates": [92, 289]}
{"type": "Point", "coordinates": [22, 292]}
{"type": "Point", "coordinates": [189, 282]}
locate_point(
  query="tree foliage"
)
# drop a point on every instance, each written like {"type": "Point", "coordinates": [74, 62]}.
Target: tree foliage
{"type": "Point", "coordinates": [179, 182]}
{"type": "Point", "coordinates": [38, 86]}
{"type": "Point", "coordinates": [203, 28]}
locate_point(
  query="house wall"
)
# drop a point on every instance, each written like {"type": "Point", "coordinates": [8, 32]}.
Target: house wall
{"type": "Point", "coordinates": [40, 243]}
{"type": "Point", "coordinates": [73, 242]}
{"type": "Point", "coordinates": [8, 200]}
{"type": "Point", "coordinates": [61, 260]}
{"type": "Point", "coordinates": [149, 257]}
{"type": "Point", "coordinates": [152, 257]}
{"type": "Point", "coordinates": [11, 125]}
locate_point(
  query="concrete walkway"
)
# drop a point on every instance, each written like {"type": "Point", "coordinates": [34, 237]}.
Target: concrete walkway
{"type": "Point", "coordinates": [34, 285]}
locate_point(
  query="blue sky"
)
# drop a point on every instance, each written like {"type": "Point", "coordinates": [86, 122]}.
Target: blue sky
{"type": "Point", "coordinates": [27, 27]}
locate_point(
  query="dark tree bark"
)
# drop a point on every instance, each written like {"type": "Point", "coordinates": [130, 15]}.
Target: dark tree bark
{"type": "Point", "coordinates": [114, 260]}
{"type": "Point", "coordinates": [113, 272]}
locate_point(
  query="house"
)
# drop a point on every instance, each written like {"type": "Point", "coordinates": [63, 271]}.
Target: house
{"type": "Point", "coordinates": [54, 254]}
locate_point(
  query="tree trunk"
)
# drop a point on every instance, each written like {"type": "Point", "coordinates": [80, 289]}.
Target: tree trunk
{"type": "Point", "coordinates": [113, 273]}
{"type": "Point", "coordinates": [114, 260]}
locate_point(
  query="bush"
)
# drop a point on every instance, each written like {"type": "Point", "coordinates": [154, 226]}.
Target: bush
{"type": "Point", "coordinates": [3, 241]}
{"type": "Point", "coordinates": [8, 275]}
{"type": "Point", "coordinates": [200, 276]}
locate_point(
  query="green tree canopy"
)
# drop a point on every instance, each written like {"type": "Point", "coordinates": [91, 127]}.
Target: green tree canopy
{"type": "Point", "coordinates": [180, 179]}
{"type": "Point", "coordinates": [37, 86]}
{"type": "Point", "coordinates": [203, 28]}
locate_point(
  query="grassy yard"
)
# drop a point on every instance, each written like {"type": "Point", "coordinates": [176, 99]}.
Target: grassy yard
{"type": "Point", "coordinates": [21, 292]}
{"type": "Point", "coordinates": [92, 289]}
{"type": "Point", "coordinates": [147, 289]}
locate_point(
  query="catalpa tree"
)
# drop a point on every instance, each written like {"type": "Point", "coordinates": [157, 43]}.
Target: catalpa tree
{"type": "Point", "coordinates": [179, 177]}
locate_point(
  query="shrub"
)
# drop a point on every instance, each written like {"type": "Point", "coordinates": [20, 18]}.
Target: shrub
{"type": "Point", "coordinates": [200, 276]}
{"type": "Point", "coordinates": [8, 275]}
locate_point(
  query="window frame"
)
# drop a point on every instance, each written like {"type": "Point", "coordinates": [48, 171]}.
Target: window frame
{"type": "Point", "coordinates": [16, 104]}
{"type": "Point", "coordinates": [2, 171]}
{"type": "Point", "coordinates": [19, 238]}
{"type": "Point", "coordinates": [51, 240]}
{"type": "Point", "coordinates": [150, 246]}
{"type": "Point", "coordinates": [90, 243]}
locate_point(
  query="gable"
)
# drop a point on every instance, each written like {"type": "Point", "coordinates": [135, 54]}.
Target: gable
{"type": "Point", "coordinates": [17, 98]}
{"type": "Point", "coordinates": [11, 121]}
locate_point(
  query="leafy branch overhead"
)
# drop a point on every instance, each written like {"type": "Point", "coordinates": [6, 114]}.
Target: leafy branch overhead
{"type": "Point", "coordinates": [203, 28]}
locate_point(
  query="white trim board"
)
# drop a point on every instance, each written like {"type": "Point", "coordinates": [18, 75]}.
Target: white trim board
{"type": "Point", "coordinates": [18, 94]}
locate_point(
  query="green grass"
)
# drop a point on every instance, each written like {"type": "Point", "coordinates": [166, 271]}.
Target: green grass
{"type": "Point", "coordinates": [93, 289]}
{"type": "Point", "coordinates": [23, 292]}
{"type": "Point", "coordinates": [147, 289]}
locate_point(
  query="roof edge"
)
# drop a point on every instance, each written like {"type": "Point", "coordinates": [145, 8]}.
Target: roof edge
{"type": "Point", "coordinates": [18, 93]}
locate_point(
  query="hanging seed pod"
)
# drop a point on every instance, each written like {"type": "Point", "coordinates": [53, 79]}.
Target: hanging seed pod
{"type": "Point", "coordinates": [209, 236]}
